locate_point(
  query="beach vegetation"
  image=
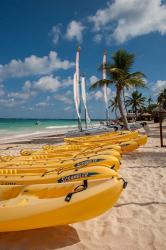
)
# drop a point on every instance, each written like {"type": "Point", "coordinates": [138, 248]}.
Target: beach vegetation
{"type": "Point", "coordinates": [119, 74]}
{"type": "Point", "coordinates": [162, 98]}
{"type": "Point", "coordinates": [136, 101]}
{"type": "Point", "coordinates": [114, 106]}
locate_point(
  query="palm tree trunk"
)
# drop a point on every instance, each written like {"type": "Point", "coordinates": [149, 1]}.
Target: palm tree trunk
{"type": "Point", "coordinates": [135, 114]}
{"type": "Point", "coordinates": [124, 101]}
{"type": "Point", "coordinates": [121, 108]}
{"type": "Point", "coordinates": [116, 114]}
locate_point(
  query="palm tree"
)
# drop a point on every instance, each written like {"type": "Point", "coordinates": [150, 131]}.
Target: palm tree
{"type": "Point", "coordinates": [150, 100]}
{"type": "Point", "coordinates": [136, 101]}
{"type": "Point", "coordinates": [119, 75]}
{"type": "Point", "coordinates": [114, 106]}
{"type": "Point", "coordinates": [162, 98]}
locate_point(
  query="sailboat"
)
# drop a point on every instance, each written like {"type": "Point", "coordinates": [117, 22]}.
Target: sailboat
{"type": "Point", "coordinates": [79, 91]}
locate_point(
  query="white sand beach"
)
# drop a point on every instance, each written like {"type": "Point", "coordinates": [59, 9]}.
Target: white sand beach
{"type": "Point", "coordinates": [136, 222]}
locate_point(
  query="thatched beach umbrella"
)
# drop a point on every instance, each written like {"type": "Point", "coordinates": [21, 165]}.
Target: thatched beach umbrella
{"type": "Point", "coordinates": [146, 116]}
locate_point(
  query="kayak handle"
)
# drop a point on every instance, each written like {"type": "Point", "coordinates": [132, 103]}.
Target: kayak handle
{"type": "Point", "coordinates": [78, 189]}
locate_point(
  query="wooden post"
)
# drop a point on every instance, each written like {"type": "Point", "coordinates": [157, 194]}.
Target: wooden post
{"type": "Point", "coordinates": [161, 129]}
{"type": "Point", "coordinates": [86, 125]}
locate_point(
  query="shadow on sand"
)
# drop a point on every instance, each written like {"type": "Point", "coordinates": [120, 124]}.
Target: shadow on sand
{"type": "Point", "coordinates": [39, 239]}
{"type": "Point", "coordinates": [50, 139]}
{"type": "Point", "coordinates": [146, 154]}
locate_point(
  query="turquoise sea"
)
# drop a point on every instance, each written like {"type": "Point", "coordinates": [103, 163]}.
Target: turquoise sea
{"type": "Point", "coordinates": [19, 127]}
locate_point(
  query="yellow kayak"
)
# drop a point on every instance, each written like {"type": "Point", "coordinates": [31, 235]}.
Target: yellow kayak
{"type": "Point", "coordinates": [65, 164]}
{"type": "Point", "coordinates": [14, 177]}
{"type": "Point", "coordinates": [125, 136]}
{"type": "Point", "coordinates": [128, 146]}
{"type": "Point", "coordinates": [77, 147]}
{"type": "Point", "coordinates": [102, 135]}
{"type": "Point", "coordinates": [29, 211]}
{"type": "Point", "coordinates": [141, 140]}
{"type": "Point", "coordinates": [48, 190]}
{"type": "Point", "coordinates": [65, 149]}
{"type": "Point", "coordinates": [27, 156]}
{"type": "Point", "coordinates": [69, 155]}
{"type": "Point", "coordinates": [125, 144]}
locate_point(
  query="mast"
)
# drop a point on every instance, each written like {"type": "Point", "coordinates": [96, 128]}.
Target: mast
{"type": "Point", "coordinates": [105, 86]}
{"type": "Point", "coordinates": [76, 89]}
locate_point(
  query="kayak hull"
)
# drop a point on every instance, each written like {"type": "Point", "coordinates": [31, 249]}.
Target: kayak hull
{"type": "Point", "coordinates": [28, 212]}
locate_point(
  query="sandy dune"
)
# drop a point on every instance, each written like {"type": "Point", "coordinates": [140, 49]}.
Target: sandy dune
{"type": "Point", "coordinates": [138, 220]}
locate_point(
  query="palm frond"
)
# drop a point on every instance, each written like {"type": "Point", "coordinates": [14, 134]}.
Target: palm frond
{"type": "Point", "coordinates": [100, 84]}
{"type": "Point", "coordinates": [118, 71]}
{"type": "Point", "coordinates": [135, 82]}
{"type": "Point", "coordinates": [137, 74]}
{"type": "Point", "coordinates": [123, 60]}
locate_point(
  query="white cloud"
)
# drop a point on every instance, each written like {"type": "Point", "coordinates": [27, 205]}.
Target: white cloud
{"type": "Point", "coordinates": [26, 93]}
{"type": "Point", "coordinates": [55, 33]}
{"type": "Point", "coordinates": [67, 82]}
{"type": "Point", "coordinates": [101, 18]}
{"type": "Point", "coordinates": [51, 83]}
{"type": "Point", "coordinates": [69, 93]}
{"type": "Point", "coordinates": [19, 95]}
{"type": "Point", "coordinates": [126, 19]}
{"type": "Point", "coordinates": [64, 98]}
{"type": "Point", "coordinates": [42, 104]}
{"type": "Point", "coordinates": [34, 65]}
{"type": "Point", "coordinates": [98, 38]}
{"type": "Point", "coordinates": [27, 86]}
{"type": "Point", "coordinates": [74, 31]}
{"type": "Point", "coordinates": [11, 102]}
{"type": "Point", "coordinates": [16, 99]}
{"type": "Point", "coordinates": [48, 98]}
{"type": "Point", "coordinates": [93, 79]}
{"type": "Point", "coordinates": [2, 91]}
{"type": "Point", "coordinates": [159, 86]}
{"type": "Point", "coordinates": [67, 97]}
{"type": "Point", "coordinates": [67, 108]}
{"type": "Point", "coordinates": [30, 109]}
{"type": "Point", "coordinates": [99, 95]}
{"type": "Point", "coordinates": [110, 92]}
{"type": "Point", "coordinates": [47, 83]}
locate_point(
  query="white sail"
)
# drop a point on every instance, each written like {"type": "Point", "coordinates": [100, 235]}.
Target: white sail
{"type": "Point", "coordinates": [83, 88]}
{"type": "Point", "coordinates": [77, 64]}
{"type": "Point", "coordinates": [76, 95]}
{"type": "Point", "coordinates": [76, 88]}
{"type": "Point", "coordinates": [105, 86]}
{"type": "Point", "coordinates": [104, 77]}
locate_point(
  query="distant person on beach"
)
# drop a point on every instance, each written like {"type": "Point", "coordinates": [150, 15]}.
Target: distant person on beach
{"type": "Point", "coordinates": [146, 127]}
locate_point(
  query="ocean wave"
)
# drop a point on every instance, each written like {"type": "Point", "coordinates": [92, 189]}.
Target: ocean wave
{"type": "Point", "coordinates": [20, 135]}
{"type": "Point", "coordinates": [62, 126]}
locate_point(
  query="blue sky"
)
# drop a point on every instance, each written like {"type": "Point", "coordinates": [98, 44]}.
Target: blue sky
{"type": "Point", "coordinates": [38, 41]}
